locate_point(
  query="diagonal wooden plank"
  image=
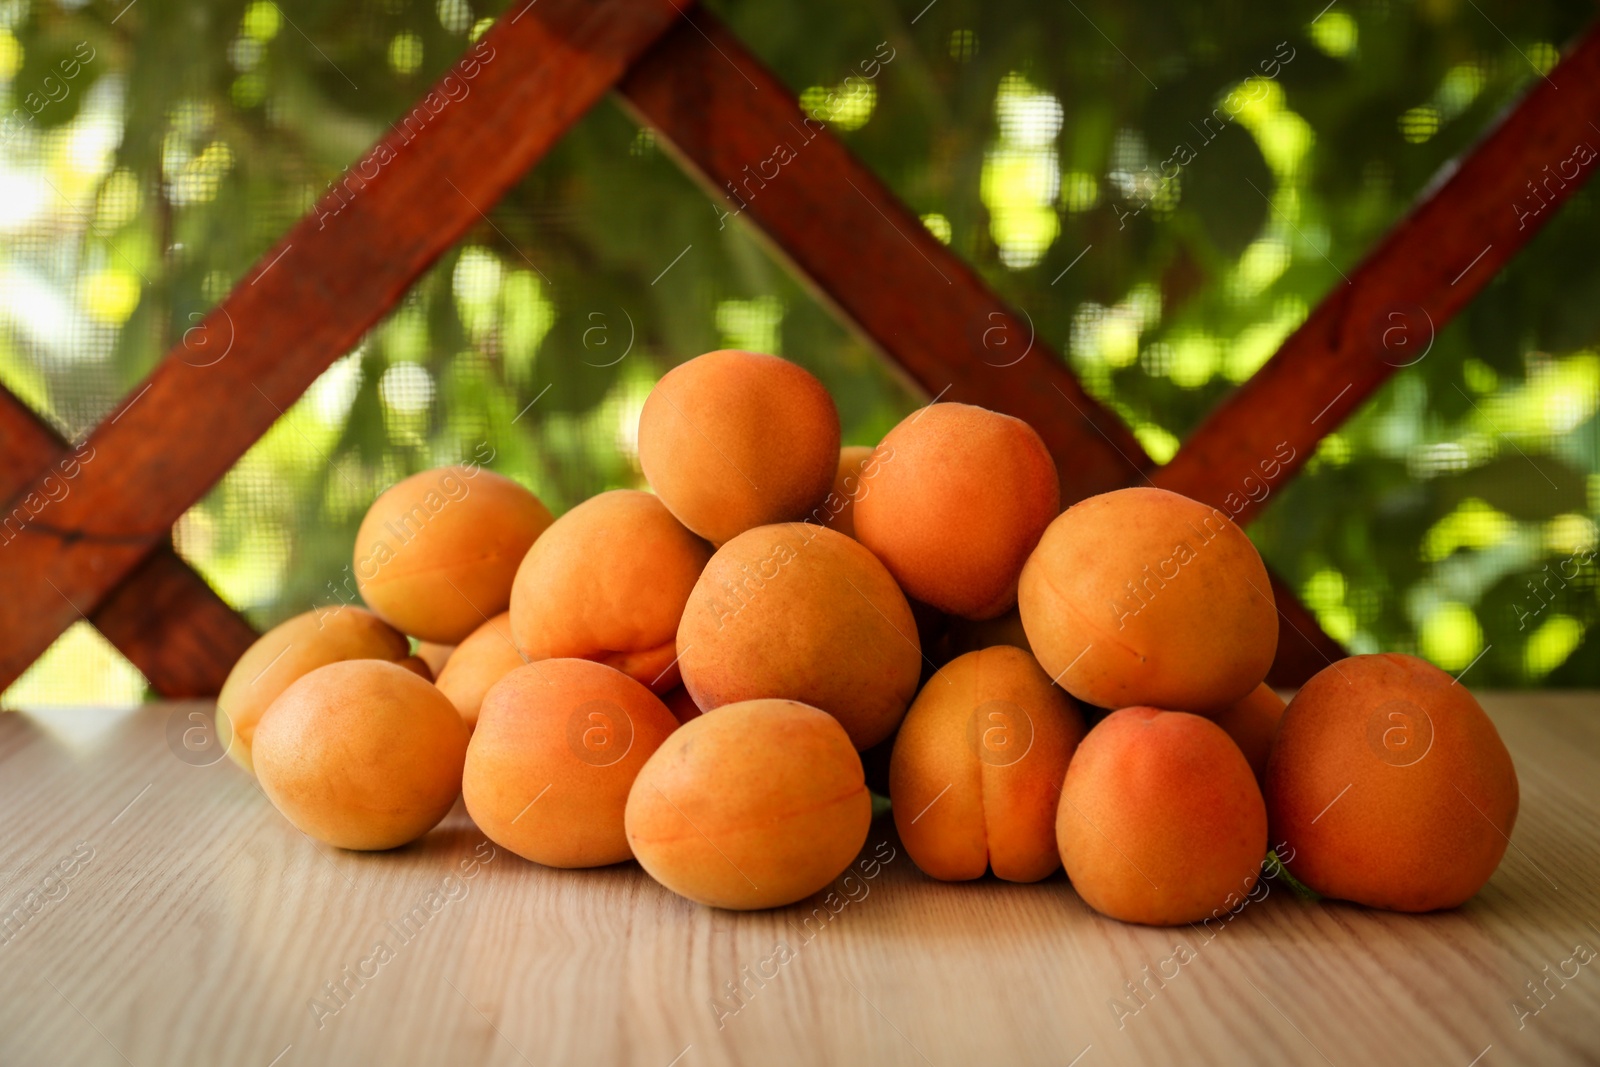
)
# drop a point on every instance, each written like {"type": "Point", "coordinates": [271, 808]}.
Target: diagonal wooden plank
{"type": "Point", "coordinates": [728, 120]}
{"type": "Point", "coordinates": [311, 298]}
{"type": "Point", "coordinates": [739, 131]}
{"type": "Point", "coordinates": [1430, 265]}
{"type": "Point", "coordinates": [164, 618]}
{"type": "Point", "coordinates": [181, 635]}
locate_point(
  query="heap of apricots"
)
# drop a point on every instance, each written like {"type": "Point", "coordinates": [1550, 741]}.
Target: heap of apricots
{"type": "Point", "coordinates": [690, 677]}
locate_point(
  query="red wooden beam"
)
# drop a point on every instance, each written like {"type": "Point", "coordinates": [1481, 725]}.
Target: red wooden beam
{"type": "Point", "coordinates": [311, 298]}
{"type": "Point", "coordinates": [388, 219]}
{"type": "Point", "coordinates": [737, 129]}
{"type": "Point", "coordinates": [181, 635]}
{"type": "Point", "coordinates": [1426, 270]}
{"type": "Point", "coordinates": [1304, 647]}
{"type": "Point", "coordinates": [164, 618]}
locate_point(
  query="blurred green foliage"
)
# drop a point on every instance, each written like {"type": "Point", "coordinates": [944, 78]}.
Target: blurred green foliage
{"type": "Point", "coordinates": [1026, 135]}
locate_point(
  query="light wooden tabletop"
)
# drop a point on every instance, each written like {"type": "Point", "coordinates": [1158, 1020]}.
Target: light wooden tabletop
{"type": "Point", "coordinates": [158, 912]}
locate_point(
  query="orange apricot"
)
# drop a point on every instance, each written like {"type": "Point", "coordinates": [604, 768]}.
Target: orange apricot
{"type": "Point", "coordinates": [850, 481]}
{"type": "Point", "coordinates": [484, 656]}
{"type": "Point", "coordinates": [608, 582]}
{"type": "Point", "coordinates": [976, 774]}
{"type": "Point", "coordinates": [754, 805]}
{"type": "Point", "coordinates": [1390, 786]}
{"type": "Point", "coordinates": [732, 440]}
{"type": "Point", "coordinates": [1142, 596]}
{"type": "Point", "coordinates": [960, 498]}
{"type": "Point", "coordinates": [802, 612]}
{"type": "Point", "coordinates": [1161, 821]}
{"type": "Point", "coordinates": [435, 656]}
{"type": "Point", "coordinates": [287, 652]}
{"type": "Point", "coordinates": [361, 754]}
{"type": "Point", "coordinates": [436, 552]}
{"type": "Point", "coordinates": [558, 745]}
{"type": "Point", "coordinates": [1252, 723]}
{"type": "Point", "coordinates": [417, 666]}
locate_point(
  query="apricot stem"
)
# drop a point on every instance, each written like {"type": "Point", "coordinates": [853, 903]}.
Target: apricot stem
{"type": "Point", "coordinates": [1272, 867]}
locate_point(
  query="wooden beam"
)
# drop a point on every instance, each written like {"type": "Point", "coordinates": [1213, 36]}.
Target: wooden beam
{"type": "Point", "coordinates": [1304, 647]}
{"type": "Point", "coordinates": [310, 299]}
{"type": "Point", "coordinates": [723, 115]}
{"type": "Point", "coordinates": [165, 618]}
{"type": "Point", "coordinates": [1426, 270]}
{"type": "Point", "coordinates": [181, 635]}
{"type": "Point", "coordinates": [739, 131]}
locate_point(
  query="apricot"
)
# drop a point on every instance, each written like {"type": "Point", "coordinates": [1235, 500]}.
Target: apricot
{"type": "Point", "coordinates": [802, 612]}
{"type": "Point", "coordinates": [361, 754]}
{"type": "Point", "coordinates": [1252, 723]}
{"type": "Point", "coordinates": [1390, 786]}
{"type": "Point", "coordinates": [754, 805]}
{"type": "Point", "coordinates": [435, 656]}
{"type": "Point", "coordinates": [437, 551]}
{"type": "Point", "coordinates": [1161, 821]}
{"type": "Point", "coordinates": [484, 657]}
{"type": "Point", "coordinates": [732, 440]}
{"type": "Point", "coordinates": [288, 651]}
{"type": "Point", "coordinates": [1142, 596]}
{"type": "Point", "coordinates": [851, 480]}
{"type": "Point", "coordinates": [608, 582]}
{"type": "Point", "coordinates": [976, 774]}
{"type": "Point", "coordinates": [960, 498]}
{"type": "Point", "coordinates": [558, 744]}
{"type": "Point", "coordinates": [417, 666]}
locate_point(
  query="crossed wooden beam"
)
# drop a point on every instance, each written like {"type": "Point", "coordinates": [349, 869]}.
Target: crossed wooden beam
{"type": "Point", "coordinates": [102, 550]}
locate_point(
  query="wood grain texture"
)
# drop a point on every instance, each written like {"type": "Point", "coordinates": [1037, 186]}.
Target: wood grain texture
{"type": "Point", "coordinates": [1386, 314]}
{"type": "Point", "coordinates": [164, 617]}
{"type": "Point", "coordinates": [729, 122]}
{"type": "Point", "coordinates": [197, 926]}
{"type": "Point", "coordinates": [740, 132]}
{"type": "Point", "coordinates": [311, 298]}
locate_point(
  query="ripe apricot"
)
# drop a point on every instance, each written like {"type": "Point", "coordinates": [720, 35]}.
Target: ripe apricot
{"type": "Point", "coordinates": [288, 651]}
{"type": "Point", "coordinates": [850, 481]}
{"type": "Point", "coordinates": [802, 612]}
{"type": "Point", "coordinates": [608, 582]}
{"type": "Point", "coordinates": [977, 768]}
{"type": "Point", "coordinates": [557, 747]}
{"type": "Point", "coordinates": [1142, 596]}
{"type": "Point", "coordinates": [1390, 785]}
{"type": "Point", "coordinates": [1160, 821]}
{"type": "Point", "coordinates": [1252, 723]}
{"type": "Point", "coordinates": [417, 666]}
{"type": "Point", "coordinates": [361, 754]}
{"type": "Point", "coordinates": [732, 440]}
{"type": "Point", "coordinates": [959, 500]}
{"type": "Point", "coordinates": [436, 552]}
{"type": "Point", "coordinates": [435, 656]}
{"type": "Point", "coordinates": [484, 657]}
{"type": "Point", "coordinates": [754, 805]}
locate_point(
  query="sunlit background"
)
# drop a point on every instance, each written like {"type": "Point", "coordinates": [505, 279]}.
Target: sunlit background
{"type": "Point", "coordinates": [1450, 518]}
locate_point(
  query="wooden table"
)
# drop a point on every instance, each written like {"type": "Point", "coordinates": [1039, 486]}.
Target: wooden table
{"type": "Point", "coordinates": [187, 923]}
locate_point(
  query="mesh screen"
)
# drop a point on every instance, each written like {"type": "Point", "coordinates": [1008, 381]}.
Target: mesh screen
{"type": "Point", "coordinates": [146, 181]}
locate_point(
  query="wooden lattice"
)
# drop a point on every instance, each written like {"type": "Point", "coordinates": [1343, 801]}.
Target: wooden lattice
{"type": "Point", "coordinates": [104, 552]}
